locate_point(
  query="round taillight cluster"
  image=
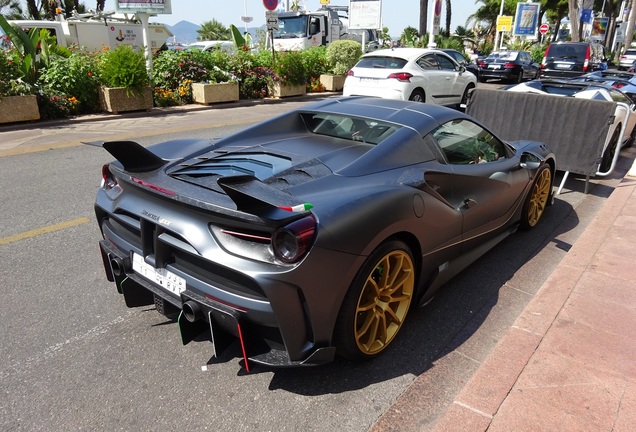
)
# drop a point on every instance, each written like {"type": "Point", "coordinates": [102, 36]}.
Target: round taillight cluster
{"type": "Point", "coordinates": [291, 242]}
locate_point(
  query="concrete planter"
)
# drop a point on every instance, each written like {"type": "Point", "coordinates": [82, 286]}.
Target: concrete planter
{"type": "Point", "coordinates": [118, 99]}
{"type": "Point", "coordinates": [332, 82]}
{"type": "Point", "coordinates": [213, 93]}
{"type": "Point", "coordinates": [281, 90]}
{"type": "Point", "coordinates": [19, 108]}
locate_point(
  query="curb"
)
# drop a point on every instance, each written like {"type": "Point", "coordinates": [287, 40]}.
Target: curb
{"type": "Point", "coordinates": [159, 111]}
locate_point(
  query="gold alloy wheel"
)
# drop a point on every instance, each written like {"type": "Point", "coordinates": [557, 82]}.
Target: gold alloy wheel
{"type": "Point", "coordinates": [384, 302]}
{"type": "Point", "coordinates": [539, 197]}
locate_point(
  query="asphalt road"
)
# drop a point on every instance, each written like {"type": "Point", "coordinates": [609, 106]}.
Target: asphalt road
{"type": "Point", "coordinates": [75, 358]}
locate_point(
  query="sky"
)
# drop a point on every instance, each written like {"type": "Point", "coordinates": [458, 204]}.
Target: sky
{"type": "Point", "coordinates": [396, 14]}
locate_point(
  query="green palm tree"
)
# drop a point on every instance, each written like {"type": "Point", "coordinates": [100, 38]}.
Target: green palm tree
{"type": "Point", "coordinates": [11, 9]}
{"type": "Point", "coordinates": [486, 15]}
{"type": "Point", "coordinates": [214, 30]}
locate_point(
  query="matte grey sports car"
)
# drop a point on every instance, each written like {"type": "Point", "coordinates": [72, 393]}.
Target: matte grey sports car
{"type": "Point", "coordinates": [313, 233]}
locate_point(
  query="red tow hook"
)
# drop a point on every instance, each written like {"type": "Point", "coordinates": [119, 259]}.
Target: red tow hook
{"type": "Point", "coordinates": [240, 333]}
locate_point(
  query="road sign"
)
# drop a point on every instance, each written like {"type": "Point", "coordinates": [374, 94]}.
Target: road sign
{"type": "Point", "coordinates": [544, 28]}
{"type": "Point", "coordinates": [270, 4]}
{"type": "Point", "coordinates": [504, 23]}
{"type": "Point", "coordinates": [271, 18]}
{"type": "Point", "coordinates": [438, 7]}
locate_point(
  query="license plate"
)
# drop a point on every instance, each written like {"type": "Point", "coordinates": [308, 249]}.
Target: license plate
{"type": "Point", "coordinates": [369, 80]}
{"type": "Point", "coordinates": [562, 66]}
{"type": "Point", "coordinates": [162, 277]}
{"type": "Point", "coordinates": [494, 66]}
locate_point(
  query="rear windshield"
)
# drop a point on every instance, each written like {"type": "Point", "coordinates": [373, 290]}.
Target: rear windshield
{"type": "Point", "coordinates": [567, 51]}
{"type": "Point", "coordinates": [352, 128]}
{"type": "Point", "coordinates": [381, 63]}
{"type": "Point", "coordinates": [630, 52]}
{"type": "Point", "coordinates": [504, 56]}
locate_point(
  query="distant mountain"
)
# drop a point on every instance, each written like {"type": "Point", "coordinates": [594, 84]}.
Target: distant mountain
{"type": "Point", "coordinates": [185, 32]}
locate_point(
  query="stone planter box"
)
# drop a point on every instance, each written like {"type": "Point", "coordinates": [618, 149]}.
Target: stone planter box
{"type": "Point", "coordinates": [332, 82]}
{"type": "Point", "coordinates": [281, 90]}
{"type": "Point", "coordinates": [213, 93]}
{"type": "Point", "coordinates": [19, 109]}
{"type": "Point", "coordinates": [118, 99]}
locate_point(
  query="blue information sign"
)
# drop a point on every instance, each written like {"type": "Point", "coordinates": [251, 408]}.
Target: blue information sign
{"type": "Point", "coordinates": [526, 19]}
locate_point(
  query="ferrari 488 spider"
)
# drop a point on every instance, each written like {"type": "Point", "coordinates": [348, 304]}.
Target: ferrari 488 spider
{"type": "Point", "coordinates": [312, 234]}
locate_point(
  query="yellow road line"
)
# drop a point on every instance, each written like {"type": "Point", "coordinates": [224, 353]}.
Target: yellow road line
{"type": "Point", "coordinates": [43, 230]}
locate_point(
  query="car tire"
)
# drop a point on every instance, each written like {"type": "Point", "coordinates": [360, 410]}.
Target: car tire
{"type": "Point", "coordinates": [376, 305]}
{"type": "Point", "coordinates": [467, 90]}
{"type": "Point", "coordinates": [418, 96]}
{"type": "Point", "coordinates": [537, 199]}
{"type": "Point", "coordinates": [610, 151]}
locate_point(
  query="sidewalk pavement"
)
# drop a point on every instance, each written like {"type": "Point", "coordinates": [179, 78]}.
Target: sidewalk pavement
{"type": "Point", "coordinates": [569, 361]}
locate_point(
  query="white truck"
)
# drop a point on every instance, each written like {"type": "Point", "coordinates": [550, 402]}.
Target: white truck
{"type": "Point", "coordinates": [301, 30]}
{"type": "Point", "coordinates": [94, 31]}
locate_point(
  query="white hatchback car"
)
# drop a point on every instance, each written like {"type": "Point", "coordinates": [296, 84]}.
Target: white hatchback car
{"type": "Point", "coordinates": [626, 59]}
{"type": "Point", "coordinates": [417, 74]}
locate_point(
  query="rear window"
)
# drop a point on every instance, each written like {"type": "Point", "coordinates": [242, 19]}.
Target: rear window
{"type": "Point", "coordinates": [567, 52]}
{"type": "Point", "coordinates": [365, 130]}
{"type": "Point", "coordinates": [504, 56]}
{"type": "Point", "coordinates": [381, 63]}
{"type": "Point", "coordinates": [630, 52]}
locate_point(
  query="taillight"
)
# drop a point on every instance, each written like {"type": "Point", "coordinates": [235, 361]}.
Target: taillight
{"type": "Point", "coordinates": [482, 64]}
{"type": "Point", "coordinates": [587, 59]}
{"type": "Point", "coordinates": [291, 242]}
{"type": "Point", "coordinates": [623, 57]}
{"type": "Point", "coordinates": [545, 57]}
{"type": "Point", "coordinates": [109, 179]}
{"type": "Point", "coordinates": [618, 85]}
{"type": "Point", "coordinates": [509, 66]}
{"type": "Point", "coordinates": [350, 73]}
{"type": "Point", "coordinates": [401, 76]}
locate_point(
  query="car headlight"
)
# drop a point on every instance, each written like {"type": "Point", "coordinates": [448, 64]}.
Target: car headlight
{"type": "Point", "coordinates": [291, 242]}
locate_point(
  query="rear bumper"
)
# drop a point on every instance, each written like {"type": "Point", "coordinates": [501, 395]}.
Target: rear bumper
{"type": "Point", "coordinates": [224, 323]}
{"type": "Point", "coordinates": [506, 74]}
{"type": "Point", "coordinates": [552, 73]}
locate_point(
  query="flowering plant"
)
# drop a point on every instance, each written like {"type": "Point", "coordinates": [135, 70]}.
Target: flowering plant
{"type": "Point", "coordinates": [76, 77]}
{"type": "Point", "coordinates": [123, 67]}
{"type": "Point", "coordinates": [289, 68]}
{"type": "Point", "coordinates": [11, 83]}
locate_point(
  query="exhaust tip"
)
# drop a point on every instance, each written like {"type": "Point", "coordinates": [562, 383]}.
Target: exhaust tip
{"type": "Point", "coordinates": [118, 266]}
{"type": "Point", "coordinates": [192, 311]}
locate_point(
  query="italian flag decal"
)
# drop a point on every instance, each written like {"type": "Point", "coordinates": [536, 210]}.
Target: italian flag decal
{"type": "Point", "coordinates": [297, 208]}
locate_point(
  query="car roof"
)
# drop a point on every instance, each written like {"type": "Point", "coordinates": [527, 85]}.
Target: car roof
{"type": "Point", "coordinates": [405, 53]}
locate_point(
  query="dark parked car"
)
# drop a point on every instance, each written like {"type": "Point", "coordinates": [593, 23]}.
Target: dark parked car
{"type": "Point", "coordinates": [623, 81]}
{"type": "Point", "coordinates": [511, 66]}
{"type": "Point", "coordinates": [313, 233]}
{"type": "Point", "coordinates": [462, 61]}
{"type": "Point", "coordinates": [571, 59]}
